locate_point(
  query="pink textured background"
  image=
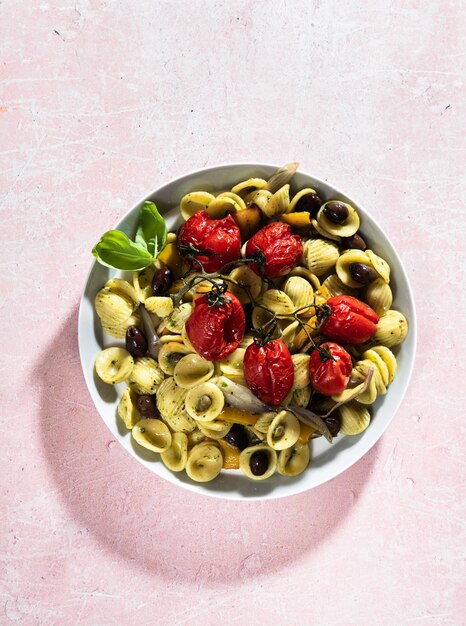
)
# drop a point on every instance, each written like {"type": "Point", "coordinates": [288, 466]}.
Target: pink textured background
{"type": "Point", "coordinates": [102, 101]}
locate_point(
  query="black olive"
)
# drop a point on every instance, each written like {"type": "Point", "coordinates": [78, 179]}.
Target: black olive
{"type": "Point", "coordinates": [237, 437]}
{"type": "Point", "coordinates": [362, 273]}
{"type": "Point", "coordinates": [136, 342]}
{"type": "Point", "coordinates": [162, 281]}
{"type": "Point", "coordinates": [259, 462]}
{"type": "Point", "coordinates": [333, 422]}
{"type": "Point", "coordinates": [320, 404]}
{"type": "Point", "coordinates": [146, 406]}
{"type": "Point", "coordinates": [336, 212]}
{"type": "Point", "coordinates": [355, 242]}
{"type": "Point", "coordinates": [310, 202]}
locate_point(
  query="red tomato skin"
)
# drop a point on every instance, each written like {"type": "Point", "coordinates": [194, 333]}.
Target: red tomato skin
{"type": "Point", "coordinates": [351, 321]}
{"type": "Point", "coordinates": [269, 371]}
{"type": "Point", "coordinates": [216, 331]}
{"type": "Point", "coordinates": [281, 248]}
{"type": "Point", "coordinates": [332, 376]}
{"type": "Point", "coordinates": [220, 239]}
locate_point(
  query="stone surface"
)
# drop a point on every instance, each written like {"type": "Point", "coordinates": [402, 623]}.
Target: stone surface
{"type": "Point", "coordinates": [101, 102]}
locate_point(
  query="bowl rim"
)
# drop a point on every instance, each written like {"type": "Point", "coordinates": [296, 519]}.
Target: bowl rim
{"type": "Point", "coordinates": [299, 488]}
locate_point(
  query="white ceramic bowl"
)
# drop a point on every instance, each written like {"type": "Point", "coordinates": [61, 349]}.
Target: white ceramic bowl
{"type": "Point", "coordinates": [327, 460]}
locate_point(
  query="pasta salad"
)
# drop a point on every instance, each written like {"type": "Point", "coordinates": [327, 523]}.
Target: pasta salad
{"type": "Point", "coordinates": [265, 321]}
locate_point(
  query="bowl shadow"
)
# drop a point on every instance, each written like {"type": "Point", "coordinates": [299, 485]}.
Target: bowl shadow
{"type": "Point", "coordinates": [148, 522]}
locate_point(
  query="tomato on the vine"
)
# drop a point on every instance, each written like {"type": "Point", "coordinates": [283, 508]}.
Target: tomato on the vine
{"type": "Point", "coordinates": [276, 249]}
{"type": "Point", "coordinates": [268, 370]}
{"type": "Point", "coordinates": [330, 368]}
{"type": "Point", "coordinates": [348, 320]}
{"type": "Point", "coordinates": [216, 325]}
{"type": "Point", "coordinates": [207, 243]}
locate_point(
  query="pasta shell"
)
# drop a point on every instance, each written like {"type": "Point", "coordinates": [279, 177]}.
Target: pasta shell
{"type": "Point", "coordinates": [224, 202]}
{"type": "Point", "coordinates": [320, 255]}
{"type": "Point", "coordinates": [284, 431]}
{"type": "Point", "coordinates": [171, 338]}
{"type": "Point", "coordinates": [293, 461]}
{"type": "Point", "coordinates": [118, 330]}
{"type": "Point", "coordinates": [260, 198]}
{"type": "Point", "coordinates": [392, 329]}
{"type": "Point", "coordinates": [193, 202]}
{"type": "Point", "coordinates": [263, 422]}
{"type": "Point", "coordinates": [379, 362]}
{"type": "Point", "coordinates": [112, 308]}
{"type": "Point", "coordinates": [335, 287]}
{"type": "Point", "coordinates": [124, 289]}
{"type": "Point", "coordinates": [159, 305]}
{"type": "Point", "coordinates": [127, 410]}
{"type": "Point", "coordinates": [204, 462]}
{"type": "Point", "coordinates": [307, 274]}
{"type": "Point", "coordinates": [241, 205]}
{"type": "Point", "coordinates": [278, 203]}
{"type": "Point", "coordinates": [192, 370]}
{"type": "Point", "coordinates": [170, 399]}
{"type": "Point", "coordinates": [289, 333]}
{"type": "Point", "coordinates": [380, 265]}
{"type": "Point", "coordinates": [215, 429]}
{"type": "Point", "coordinates": [152, 434]}
{"type": "Point", "coordinates": [245, 457]}
{"type": "Point", "coordinates": [323, 233]}
{"type": "Point", "coordinates": [142, 283]}
{"type": "Point", "coordinates": [233, 364]}
{"type": "Point", "coordinates": [145, 376]}
{"type": "Point", "coordinates": [301, 397]}
{"type": "Point", "coordinates": [185, 338]}
{"type": "Point", "coordinates": [370, 395]}
{"type": "Point", "coordinates": [277, 301]}
{"type": "Point", "coordinates": [180, 422]}
{"type": "Point", "coordinates": [301, 370]}
{"type": "Point", "coordinates": [170, 354]}
{"type": "Point", "coordinates": [114, 365]}
{"type": "Point", "coordinates": [354, 418]}
{"type": "Point", "coordinates": [247, 186]}
{"type": "Point", "coordinates": [205, 402]}
{"type": "Point", "coordinates": [389, 359]}
{"type": "Point", "coordinates": [195, 437]}
{"type": "Point", "coordinates": [378, 296]}
{"type": "Point", "coordinates": [301, 293]}
{"type": "Point", "coordinates": [176, 455]}
{"type": "Point", "coordinates": [249, 284]}
{"type": "Point", "coordinates": [178, 318]}
{"type": "Point", "coordinates": [349, 226]}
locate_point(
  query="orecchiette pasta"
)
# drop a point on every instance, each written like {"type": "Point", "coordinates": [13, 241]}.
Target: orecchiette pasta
{"type": "Point", "coordinates": [176, 455]}
{"type": "Point", "coordinates": [320, 256]}
{"type": "Point", "coordinates": [145, 376]}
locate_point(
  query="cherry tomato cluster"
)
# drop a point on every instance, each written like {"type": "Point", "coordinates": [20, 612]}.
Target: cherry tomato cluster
{"type": "Point", "coordinates": [217, 325]}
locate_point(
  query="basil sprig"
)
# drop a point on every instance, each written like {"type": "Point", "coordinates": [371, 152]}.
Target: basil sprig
{"type": "Point", "coordinates": [115, 249]}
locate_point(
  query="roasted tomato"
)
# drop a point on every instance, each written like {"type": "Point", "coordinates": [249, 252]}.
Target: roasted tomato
{"type": "Point", "coordinates": [330, 368]}
{"type": "Point", "coordinates": [209, 243]}
{"type": "Point", "coordinates": [276, 249]}
{"type": "Point", "coordinates": [216, 326]}
{"type": "Point", "coordinates": [268, 370]}
{"type": "Point", "coordinates": [348, 320]}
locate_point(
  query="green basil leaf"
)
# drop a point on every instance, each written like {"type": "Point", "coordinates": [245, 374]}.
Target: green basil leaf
{"type": "Point", "coordinates": [116, 250]}
{"type": "Point", "coordinates": [152, 230]}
